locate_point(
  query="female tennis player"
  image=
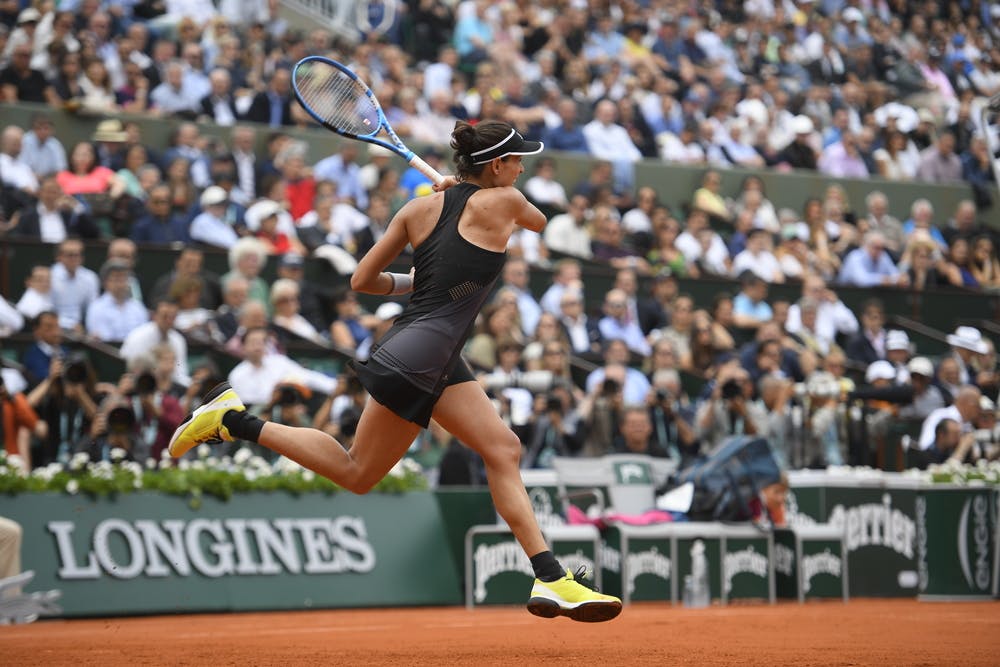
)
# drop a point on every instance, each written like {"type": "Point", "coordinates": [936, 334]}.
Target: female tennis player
{"type": "Point", "coordinates": [416, 372]}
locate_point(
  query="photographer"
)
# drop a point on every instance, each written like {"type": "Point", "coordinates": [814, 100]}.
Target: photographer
{"type": "Point", "coordinates": [599, 411]}
{"type": "Point", "coordinates": [136, 417]}
{"type": "Point", "coordinates": [66, 400]}
{"type": "Point", "coordinates": [553, 432]}
{"type": "Point", "coordinates": [347, 398]}
{"type": "Point", "coordinates": [288, 405]}
{"type": "Point", "coordinates": [822, 444]}
{"type": "Point", "coordinates": [729, 410]}
{"type": "Point", "coordinates": [671, 416]}
{"type": "Point", "coordinates": [114, 427]}
{"type": "Point", "coordinates": [46, 347]}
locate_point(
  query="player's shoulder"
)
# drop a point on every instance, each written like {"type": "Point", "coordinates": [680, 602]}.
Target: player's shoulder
{"type": "Point", "coordinates": [504, 194]}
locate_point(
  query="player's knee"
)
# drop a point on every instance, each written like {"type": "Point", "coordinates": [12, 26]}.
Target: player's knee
{"type": "Point", "coordinates": [507, 450]}
{"type": "Point", "coordinates": [361, 485]}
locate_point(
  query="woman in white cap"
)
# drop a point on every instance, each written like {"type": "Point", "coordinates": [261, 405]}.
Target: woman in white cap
{"type": "Point", "coordinates": [459, 236]}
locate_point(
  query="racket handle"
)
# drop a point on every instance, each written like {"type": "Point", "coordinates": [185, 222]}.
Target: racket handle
{"type": "Point", "coordinates": [430, 172]}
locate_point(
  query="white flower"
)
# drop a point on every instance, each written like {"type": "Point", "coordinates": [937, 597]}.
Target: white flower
{"type": "Point", "coordinates": [250, 475]}
{"type": "Point", "coordinates": [183, 464]}
{"type": "Point", "coordinates": [259, 463]}
{"type": "Point", "coordinates": [137, 483]}
{"type": "Point", "coordinates": [72, 486]}
{"type": "Point", "coordinates": [117, 453]}
{"type": "Point", "coordinates": [242, 455]}
{"type": "Point", "coordinates": [16, 463]}
{"type": "Point", "coordinates": [79, 460]}
{"type": "Point", "coordinates": [204, 451]}
{"type": "Point", "coordinates": [165, 455]}
{"type": "Point", "coordinates": [412, 466]}
{"type": "Point", "coordinates": [397, 471]}
{"type": "Point", "coordinates": [286, 466]}
{"type": "Point", "coordinates": [212, 462]}
{"type": "Point", "coordinates": [308, 475]}
{"type": "Point", "coordinates": [197, 465]}
{"type": "Point", "coordinates": [150, 464]}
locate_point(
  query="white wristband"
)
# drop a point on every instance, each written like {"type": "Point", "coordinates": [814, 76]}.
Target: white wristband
{"type": "Point", "coordinates": [402, 283]}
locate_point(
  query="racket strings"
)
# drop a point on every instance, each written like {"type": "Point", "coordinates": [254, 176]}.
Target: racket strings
{"type": "Point", "coordinates": [338, 99]}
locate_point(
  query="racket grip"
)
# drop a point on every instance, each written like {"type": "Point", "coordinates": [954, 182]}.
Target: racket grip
{"type": "Point", "coordinates": [430, 172]}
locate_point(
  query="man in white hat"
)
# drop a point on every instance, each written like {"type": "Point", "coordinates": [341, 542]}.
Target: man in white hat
{"type": "Point", "coordinates": [897, 353]}
{"type": "Point", "coordinates": [800, 152]}
{"type": "Point", "coordinates": [927, 397]}
{"type": "Point", "coordinates": [209, 226]}
{"type": "Point", "coordinates": [966, 344]}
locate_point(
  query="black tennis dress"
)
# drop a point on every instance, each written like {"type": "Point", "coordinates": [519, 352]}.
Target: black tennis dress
{"type": "Point", "coordinates": [421, 354]}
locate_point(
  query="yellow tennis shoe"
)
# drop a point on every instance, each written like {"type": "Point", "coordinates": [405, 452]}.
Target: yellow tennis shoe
{"type": "Point", "coordinates": [205, 423]}
{"type": "Point", "coordinates": [573, 597]}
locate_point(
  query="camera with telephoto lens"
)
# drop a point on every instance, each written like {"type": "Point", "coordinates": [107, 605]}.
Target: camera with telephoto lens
{"type": "Point", "coordinates": [533, 381]}
{"type": "Point", "coordinates": [731, 389]}
{"type": "Point", "coordinates": [289, 395]}
{"type": "Point", "coordinates": [76, 368]}
{"type": "Point", "coordinates": [145, 384]}
{"type": "Point", "coordinates": [121, 419]}
{"type": "Point", "coordinates": [662, 395]}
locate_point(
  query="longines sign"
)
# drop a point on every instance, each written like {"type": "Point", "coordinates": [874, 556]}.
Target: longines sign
{"type": "Point", "coordinates": [150, 553]}
{"type": "Point", "coordinates": [217, 548]}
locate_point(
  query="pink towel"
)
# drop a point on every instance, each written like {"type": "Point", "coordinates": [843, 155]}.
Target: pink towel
{"type": "Point", "coordinates": [576, 516]}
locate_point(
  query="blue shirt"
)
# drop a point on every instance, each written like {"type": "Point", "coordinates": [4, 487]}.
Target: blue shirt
{"type": "Point", "coordinates": [612, 328]}
{"type": "Point", "coordinates": [859, 269]}
{"type": "Point", "coordinates": [150, 229]}
{"type": "Point", "coordinates": [347, 177]}
{"type": "Point", "coordinates": [935, 233]}
{"type": "Point", "coordinates": [468, 28]}
{"type": "Point", "coordinates": [277, 106]}
{"type": "Point", "coordinates": [565, 139]}
{"type": "Point", "coordinates": [71, 295]}
{"type": "Point", "coordinates": [48, 157]}
{"type": "Point", "coordinates": [760, 311]}
{"type": "Point", "coordinates": [110, 321]}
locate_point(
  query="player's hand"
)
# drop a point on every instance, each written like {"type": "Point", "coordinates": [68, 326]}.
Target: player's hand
{"type": "Point", "coordinates": [445, 184]}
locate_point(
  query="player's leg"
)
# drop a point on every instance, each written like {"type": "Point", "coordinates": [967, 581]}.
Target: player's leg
{"type": "Point", "coordinates": [381, 439]}
{"type": "Point", "coordinates": [380, 442]}
{"type": "Point", "coordinates": [465, 411]}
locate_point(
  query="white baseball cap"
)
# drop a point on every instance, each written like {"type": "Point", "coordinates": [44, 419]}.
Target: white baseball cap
{"type": "Point", "coordinates": [880, 370]}
{"type": "Point", "coordinates": [897, 340]}
{"type": "Point", "coordinates": [921, 366]}
{"type": "Point", "coordinates": [213, 195]}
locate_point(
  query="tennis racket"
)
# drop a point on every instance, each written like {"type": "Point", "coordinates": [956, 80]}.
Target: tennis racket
{"type": "Point", "coordinates": [340, 101]}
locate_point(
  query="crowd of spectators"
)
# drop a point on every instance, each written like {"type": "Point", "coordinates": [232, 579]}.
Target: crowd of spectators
{"type": "Point", "coordinates": [849, 89]}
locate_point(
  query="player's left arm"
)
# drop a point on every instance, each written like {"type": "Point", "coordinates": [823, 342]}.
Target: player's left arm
{"type": "Point", "coordinates": [370, 276]}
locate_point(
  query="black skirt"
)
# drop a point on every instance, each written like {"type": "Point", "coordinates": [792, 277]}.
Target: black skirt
{"type": "Point", "coordinates": [393, 390]}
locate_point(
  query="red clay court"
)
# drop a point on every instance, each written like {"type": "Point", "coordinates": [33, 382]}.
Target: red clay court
{"type": "Point", "coordinates": [861, 632]}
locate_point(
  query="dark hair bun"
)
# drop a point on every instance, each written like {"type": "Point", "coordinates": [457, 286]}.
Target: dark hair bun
{"type": "Point", "coordinates": [463, 141]}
